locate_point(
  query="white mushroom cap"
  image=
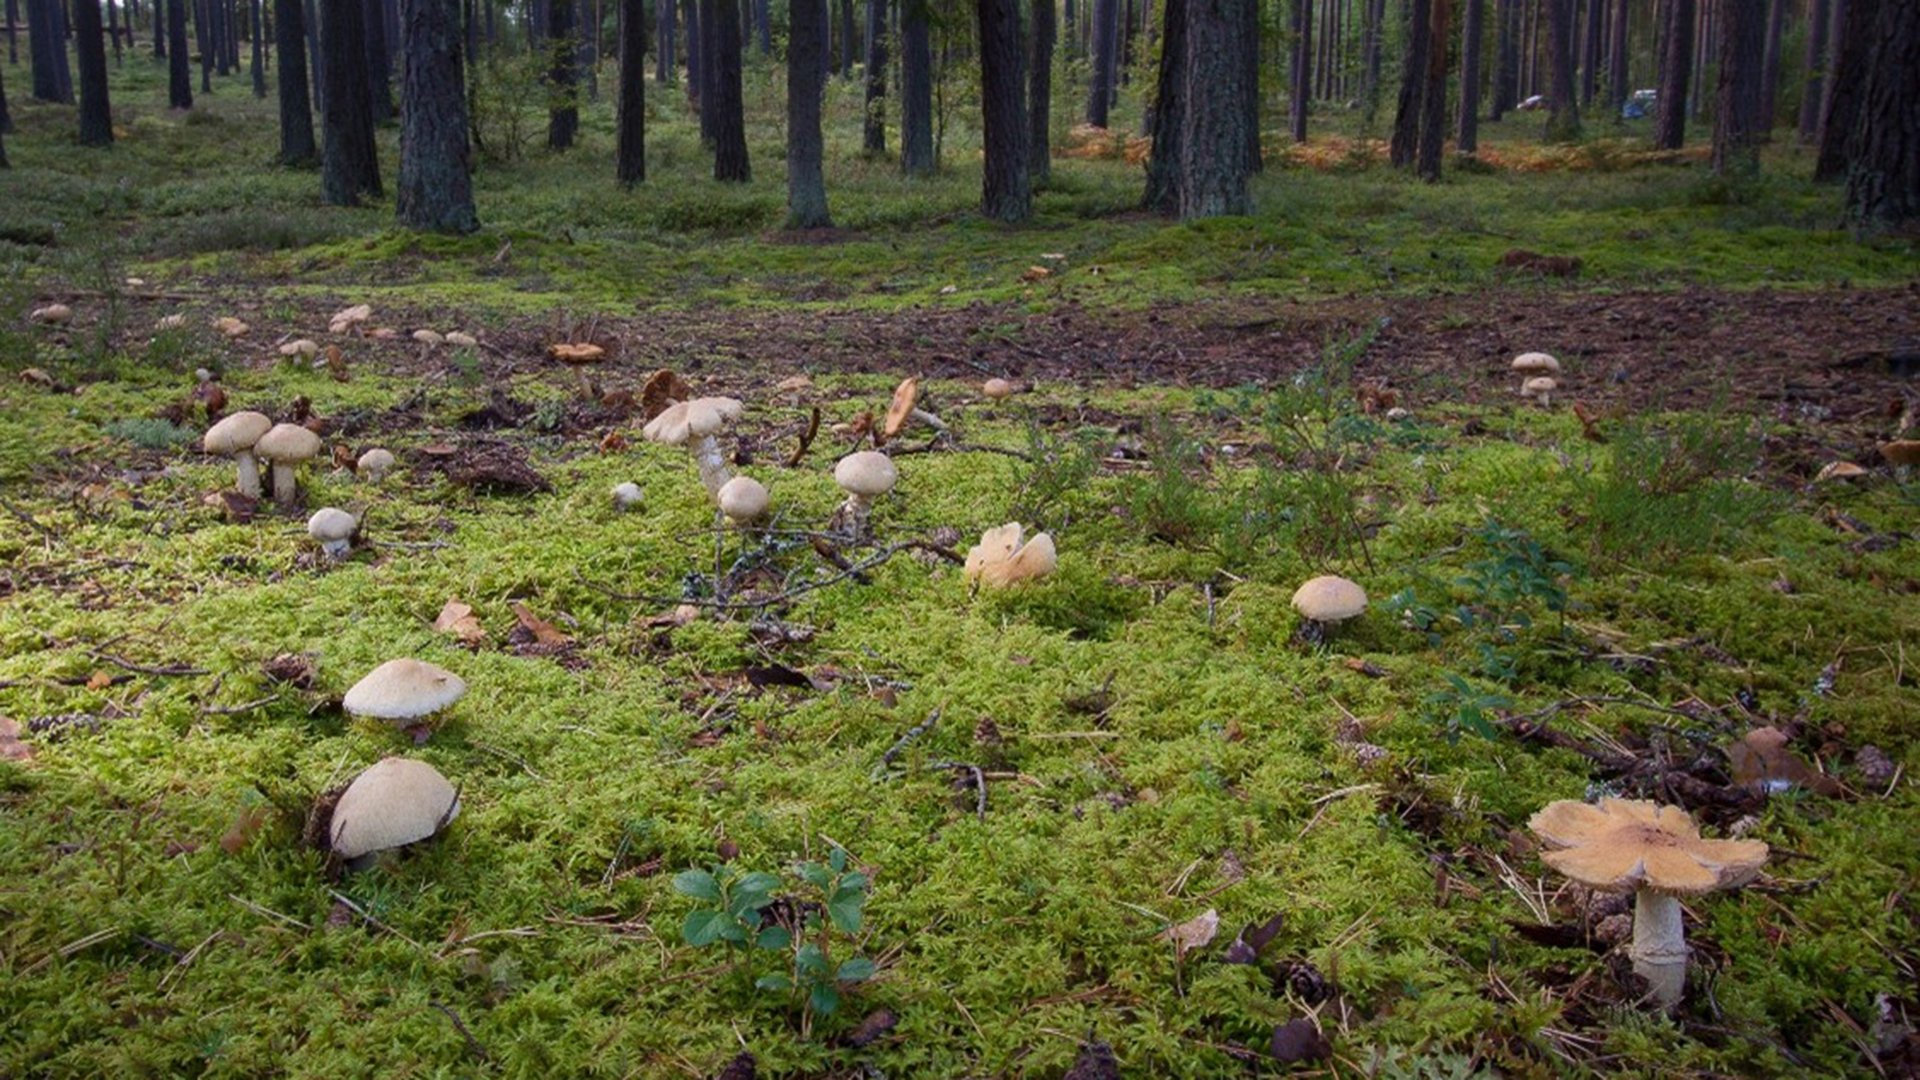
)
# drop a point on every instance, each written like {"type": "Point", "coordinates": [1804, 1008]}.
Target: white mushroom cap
{"type": "Point", "coordinates": [867, 473]}
{"type": "Point", "coordinates": [1538, 385]}
{"type": "Point", "coordinates": [626, 495]}
{"type": "Point", "coordinates": [375, 462]}
{"type": "Point", "coordinates": [1535, 363]}
{"type": "Point", "coordinates": [306, 347]}
{"type": "Point", "coordinates": [691, 420]}
{"type": "Point", "coordinates": [997, 388]}
{"type": "Point", "coordinates": [240, 431]}
{"type": "Point", "coordinates": [404, 689]}
{"type": "Point", "coordinates": [331, 523]}
{"type": "Point", "coordinates": [287, 443]}
{"type": "Point", "coordinates": [429, 337]}
{"type": "Point", "coordinates": [1329, 599]}
{"type": "Point", "coordinates": [743, 499]}
{"type": "Point", "coordinates": [462, 339]}
{"type": "Point", "coordinates": [1001, 559]}
{"type": "Point", "coordinates": [396, 801]}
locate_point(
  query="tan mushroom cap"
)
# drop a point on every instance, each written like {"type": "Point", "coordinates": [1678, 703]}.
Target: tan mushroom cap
{"type": "Point", "coordinates": [287, 442]}
{"type": "Point", "coordinates": [1901, 452]}
{"type": "Point", "coordinates": [1539, 384]}
{"type": "Point", "coordinates": [1624, 844]}
{"type": "Point", "coordinates": [900, 409]}
{"type": "Point", "coordinates": [395, 801]}
{"type": "Point", "coordinates": [867, 473]}
{"type": "Point", "coordinates": [577, 353]}
{"type": "Point", "coordinates": [331, 523]}
{"type": "Point", "coordinates": [691, 420]}
{"type": "Point", "coordinates": [743, 498]}
{"type": "Point", "coordinates": [240, 431]}
{"type": "Point", "coordinates": [997, 388]}
{"type": "Point", "coordinates": [1000, 558]}
{"type": "Point", "coordinates": [1535, 363]}
{"type": "Point", "coordinates": [404, 689]}
{"type": "Point", "coordinates": [378, 461]}
{"type": "Point", "coordinates": [1329, 598]}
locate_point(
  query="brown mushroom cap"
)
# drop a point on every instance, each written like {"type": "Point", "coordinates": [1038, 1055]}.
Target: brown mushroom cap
{"type": "Point", "coordinates": [577, 353]}
{"type": "Point", "coordinates": [404, 689]}
{"type": "Point", "coordinates": [1901, 452]}
{"type": "Point", "coordinates": [997, 388]}
{"type": "Point", "coordinates": [1538, 385]}
{"type": "Point", "coordinates": [395, 801]}
{"type": "Point", "coordinates": [900, 409]}
{"type": "Point", "coordinates": [1329, 599]}
{"type": "Point", "coordinates": [1535, 363]}
{"type": "Point", "coordinates": [867, 473]}
{"type": "Point", "coordinates": [1624, 844]}
{"type": "Point", "coordinates": [241, 431]}
{"type": "Point", "coordinates": [287, 443]}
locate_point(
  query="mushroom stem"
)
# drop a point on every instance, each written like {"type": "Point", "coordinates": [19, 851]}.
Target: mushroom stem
{"type": "Point", "coordinates": [1659, 949]}
{"type": "Point", "coordinates": [714, 473]}
{"type": "Point", "coordinates": [335, 550]}
{"type": "Point", "coordinates": [854, 512]}
{"type": "Point", "coordinates": [283, 483]}
{"type": "Point", "coordinates": [249, 482]}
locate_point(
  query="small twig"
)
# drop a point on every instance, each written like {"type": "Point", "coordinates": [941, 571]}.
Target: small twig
{"type": "Point", "coordinates": [27, 519]}
{"type": "Point", "coordinates": [806, 439]}
{"type": "Point", "coordinates": [180, 967]}
{"type": "Point", "coordinates": [900, 745]}
{"type": "Point", "coordinates": [852, 570]}
{"type": "Point", "coordinates": [979, 782]}
{"type": "Point", "coordinates": [347, 901]}
{"type": "Point", "coordinates": [268, 912]}
{"type": "Point", "coordinates": [144, 669]}
{"type": "Point", "coordinates": [473, 1044]}
{"type": "Point", "coordinates": [243, 707]}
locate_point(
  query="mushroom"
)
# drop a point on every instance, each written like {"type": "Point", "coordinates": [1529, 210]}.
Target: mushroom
{"type": "Point", "coordinates": [286, 446]}
{"type": "Point", "coordinates": [460, 339]}
{"type": "Point", "coordinates": [52, 315]}
{"type": "Point", "coordinates": [693, 424]}
{"type": "Point", "coordinates": [231, 327]}
{"type": "Point", "coordinates": [404, 690]}
{"type": "Point", "coordinates": [743, 500]}
{"type": "Point", "coordinates": [1540, 388]}
{"type": "Point", "coordinates": [334, 529]}
{"type": "Point", "coordinates": [393, 803]}
{"type": "Point", "coordinates": [348, 318]}
{"type": "Point", "coordinates": [236, 437]}
{"type": "Point", "coordinates": [1534, 363]}
{"type": "Point", "coordinates": [170, 322]}
{"type": "Point", "coordinates": [862, 476]}
{"type": "Point", "coordinates": [429, 337]}
{"type": "Point", "coordinates": [1327, 601]}
{"type": "Point", "coordinates": [997, 388]}
{"type": "Point", "coordinates": [1657, 852]}
{"type": "Point", "coordinates": [904, 409]}
{"type": "Point", "coordinates": [1000, 558]}
{"type": "Point", "coordinates": [626, 495]}
{"type": "Point", "coordinates": [304, 348]}
{"type": "Point", "coordinates": [375, 464]}
{"type": "Point", "coordinates": [1901, 453]}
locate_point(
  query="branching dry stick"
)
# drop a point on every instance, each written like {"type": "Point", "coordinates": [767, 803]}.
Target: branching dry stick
{"type": "Point", "coordinates": [852, 570]}
{"type": "Point", "coordinates": [473, 1044]}
{"type": "Point", "coordinates": [979, 783]}
{"type": "Point", "coordinates": [144, 669]}
{"type": "Point", "coordinates": [901, 744]}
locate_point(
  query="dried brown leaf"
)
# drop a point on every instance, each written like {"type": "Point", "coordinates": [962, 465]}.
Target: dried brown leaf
{"type": "Point", "coordinates": [1196, 933]}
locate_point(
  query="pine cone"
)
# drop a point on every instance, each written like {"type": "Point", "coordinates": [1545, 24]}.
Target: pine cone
{"type": "Point", "coordinates": [741, 1067]}
{"type": "Point", "coordinates": [987, 733]}
{"type": "Point", "coordinates": [1299, 977]}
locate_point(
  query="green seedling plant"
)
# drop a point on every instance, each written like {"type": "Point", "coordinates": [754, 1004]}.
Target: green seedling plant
{"type": "Point", "coordinates": [835, 904]}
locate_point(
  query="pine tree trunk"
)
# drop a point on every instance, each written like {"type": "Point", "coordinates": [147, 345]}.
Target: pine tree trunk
{"type": "Point", "coordinates": [1006, 183]}
{"type": "Point", "coordinates": [1852, 57]}
{"type": "Point", "coordinates": [1506, 58]}
{"type": "Point", "coordinates": [1164, 163]}
{"type": "Point", "coordinates": [1248, 45]}
{"type": "Point", "coordinates": [1214, 161]}
{"type": "Point", "coordinates": [1676, 63]}
{"type": "Point", "coordinates": [435, 189]}
{"type": "Point", "coordinates": [1105, 57]}
{"type": "Point", "coordinates": [696, 60]}
{"type": "Point", "coordinates": [1302, 70]}
{"type": "Point", "coordinates": [1883, 180]}
{"type": "Point", "coordinates": [1433, 96]}
{"type": "Point", "coordinates": [709, 72]}
{"type": "Point", "coordinates": [1617, 61]}
{"type": "Point", "coordinates": [806, 184]}
{"type": "Point", "coordinates": [47, 49]}
{"type": "Point", "coordinates": [1040, 95]}
{"type": "Point", "coordinates": [258, 63]}
{"type": "Point", "coordinates": [846, 39]}
{"type": "Point", "coordinates": [1737, 125]}
{"type": "Point", "coordinates": [1563, 114]}
{"type": "Point", "coordinates": [1404, 145]}
{"type": "Point", "coordinates": [630, 156]}
{"type": "Point", "coordinates": [179, 73]}
{"type": "Point", "coordinates": [159, 30]}
{"type": "Point", "coordinates": [379, 66]}
{"type": "Point", "coordinates": [916, 90]}
{"type": "Point", "coordinates": [296, 110]}
{"type": "Point", "coordinates": [1770, 67]}
{"type": "Point", "coordinates": [96, 114]}
{"type": "Point", "coordinates": [664, 41]}
{"type": "Point", "coordinates": [730, 162]}
{"type": "Point", "coordinates": [563, 78]}
{"type": "Point", "coordinates": [1819, 17]}
{"type": "Point", "coordinates": [317, 75]}
{"type": "Point", "coordinates": [349, 166]}
{"type": "Point", "coordinates": [1590, 55]}
{"type": "Point", "coordinates": [873, 133]}
{"type": "Point", "coordinates": [113, 29]}
{"type": "Point", "coordinates": [1471, 34]}
{"type": "Point", "coordinates": [6, 122]}
{"type": "Point", "coordinates": [763, 14]}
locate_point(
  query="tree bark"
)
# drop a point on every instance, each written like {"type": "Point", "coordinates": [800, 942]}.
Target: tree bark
{"type": "Point", "coordinates": [296, 109]}
{"type": "Point", "coordinates": [730, 162]}
{"type": "Point", "coordinates": [379, 66]}
{"type": "Point", "coordinates": [1302, 70]}
{"type": "Point", "coordinates": [1506, 58]}
{"type": "Point", "coordinates": [1214, 162]}
{"type": "Point", "coordinates": [846, 39]}
{"type": "Point", "coordinates": [96, 114]}
{"type": "Point", "coordinates": [1738, 127]}
{"type": "Point", "coordinates": [1040, 95]}
{"type": "Point", "coordinates": [349, 167]}
{"type": "Point", "coordinates": [664, 41]}
{"type": "Point", "coordinates": [916, 90]}
{"type": "Point", "coordinates": [1852, 60]}
{"type": "Point", "coordinates": [48, 50]}
{"type": "Point", "coordinates": [806, 183]}
{"type": "Point", "coordinates": [6, 122]}
{"type": "Point", "coordinates": [563, 79]}
{"type": "Point", "coordinates": [1006, 183]}
{"type": "Point", "coordinates": [1818, 19]}
{"type": "Point", "coordinates": [709, 71]}
{"type": "Point", "coordinates": [1105, 58]}
{"type": "Point", "coordinates": [1563, 113]}
{"type": "Point", "coordinates": [1883, 180]}
{"type": "Point", "coordinates": [696, 61]}
{"type": "Point", "coordinates": [1590, 54]}
{"type": "Point", "coordinates": [630, 156]}
{"type": "Point", "coordinates": [435, 191]}
{"type": "Point", "coordinates": [1770, 67]}
{"type": "Point", "coordinates": [317, 73]}
{"type": "Point", "coordinates": [179, 73]}
{"type": "Point", "coordinates": [1617, 69]}
{"type": "Point", "coordinates": [1471, 33]}
{"type": "Point", "coordinates": [873, 134]}
{"type": "Point", "coordinates": [1404, 145]}
{"type": "Point", "coordinates": [1676, 63]}
{"type": "Point", "coordinates": [1164, 163]}
{"type": "Point", "coordinates": [1433, 98]}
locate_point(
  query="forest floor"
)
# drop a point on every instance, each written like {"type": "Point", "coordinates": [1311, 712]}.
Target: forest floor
{"type": "Point", "coordinates": [1052, 792]}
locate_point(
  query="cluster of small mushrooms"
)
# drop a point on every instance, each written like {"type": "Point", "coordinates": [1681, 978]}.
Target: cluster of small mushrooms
{"type": "Point", "coordinates": [1539, 373]}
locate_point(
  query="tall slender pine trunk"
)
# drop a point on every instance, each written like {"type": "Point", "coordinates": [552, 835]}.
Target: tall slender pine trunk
{"type": "Point", "coordinates": [1676, 65]}
{"type": "Point", "coordinates": [916, 88]}
{"type": "Point", "coordinates": [1006, 182]}
{"type": "Point", "coordinates": [630, 156]}
{"type": "Point", "coordinates": [96, 113]}
{"type": "Point", "coordinates": [296, 110]}
{"type": "Point", "coordinates": [806, 182]}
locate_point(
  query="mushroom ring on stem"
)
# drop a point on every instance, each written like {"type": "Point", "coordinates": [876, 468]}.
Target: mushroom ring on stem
{"type": "Point", "coordinates": [863, 476]}
{"type": "Point", "coordinates": [693, 424]}
{"type": "Point", "coordinates": [1656, 852]}
{"type": "Point", "coordinates": [235, 437]}
{"type": "Point", "coordinates": [286, 446]}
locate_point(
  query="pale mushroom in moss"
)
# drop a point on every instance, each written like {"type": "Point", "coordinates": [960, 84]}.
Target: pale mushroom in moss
{"type": "Point", "coordinates": [864, 476]}
{"type": "Point", "coordinates": [1327, 601]}
{"type": "Point", "coordinates": [1540, 388]}
{"type": "Point", "coordinates": [304, 348]}
{"type": "Point", "coordinates": [626, 495]}
{"type": "Point", "coordinates": [460, 339]}
{"type": "Point", "coordinates": [997, 389]}
{"type": "Point", "coordinates": [285, 446]}
{"type": "Point", "coordinates": [693, 424]}
{"type": "Point", "coordinates": [1002, 558]}
{"type": "Point", "coordinates": [235, 437]}
{"type": "Point", "coordinates": [394, 802]}
{"type": "Point", "coordinates": [375, 464]}
{"type": "Point", "coordinates": [1657, 853]}
{"type": "Point", "coordinates": [333, 528]}
{"type": "Point", "coordinates": [429, 337]}
{"type": "Point", "coordinates": [743, 500]}
{"type": "Point", "coordinates": [404, 692]}
{"type": "Point", "coordinates": [1534, 363]}
{"type": "Point", "coordinates": [1902, 454]}
{"type": "Point", "coordinates": [52, 315]}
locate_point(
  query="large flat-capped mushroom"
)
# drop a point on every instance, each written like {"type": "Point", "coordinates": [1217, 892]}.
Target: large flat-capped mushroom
{"type": "Point", "coordinates": [404, 692]}
{"type": "Point", "coordinates": [1326, 601]}
{"type": "Point", "coordinates": [693, 424]}
{"type": "Point", "coordinates": [394, 802]}
{"type": "Point", "coordinates": [286, 446]}
{"type": "Point", "coordinates": [864, 476]}
{"type": "Point", "coordinates": [236, 437]}
{"type": "Point", "coordinates": [1657, 853]}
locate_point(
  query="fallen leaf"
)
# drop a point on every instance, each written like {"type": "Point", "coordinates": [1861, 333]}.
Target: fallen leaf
{"type": "Point", "coordinates": [1838, 470]}
{"type": "Point", "coordinates": [1589, 424]}
{"type": "Point", "coordinates": [1299, 1040]}
{"type": "Point", "coordinates": [245, 824]}
{"type": "Point", "coordinates": [678, 617]}
{"type": "Point", "coordinates": [457, 619]}
{"type": "Point", "coordinates": [1761, 760]}
{"type": "Point", "coordinates": [99, 680]}
{"type": "Point", "coordinates": [544, 632]}
{"type": "Point", "coordinates": [1036, 273]}
{"type": "Point", "coordinates": [1195, 933]}
{"type": "Point", "coordinates": [336, 363]}
{"type": "Point", "coordinates": [777, 675]}
{"type": "Point", "coordinates": [878, 1025]}
{"type": "Point", "coordinates": [1253, 939]}
{"type": "Point", "coordinates": [11, 746]}
{"type": "Point", "coordinates": [293, 669]}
